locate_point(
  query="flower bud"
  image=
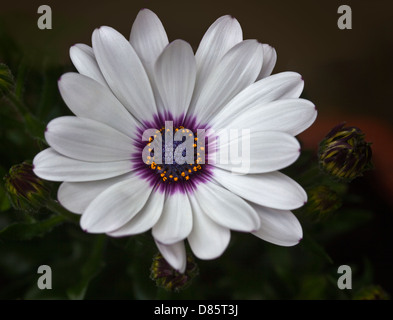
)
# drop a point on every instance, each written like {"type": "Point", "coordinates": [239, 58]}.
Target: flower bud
{"type": "Point", "coordinates": [322, 200]}
{"type": "Point", "coordinates": [6, 80]}
{"type": "Point", "coordinates": [170, 279]}
{"type": "Point", "coordinates": [25, 190]}
{"type": "Point", "coordinates": [344, 154]}
{"type": "Point", "coordinates": [371, 293]}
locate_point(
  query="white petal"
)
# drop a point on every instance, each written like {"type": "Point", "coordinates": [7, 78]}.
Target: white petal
{"type": "Point", "coordinates": [149, 39]}
{"type": "Point", "coordinates": [285, 85]}
{"type": "Point", "coordinates": [278, 226]}
{"type": "Point", "coordinates": [175, 73]}
{"type": "Point", "coordinates": [148, 36]}
{"type": "Point", "coordinates": [88, 140]}
{"type": "Point", "coordinates": [291, 116]}
{"type": "Point", "coordinates": [50, 165]}
{"type": "Point", "coordinates": [208, 240]}
{"type": "Point", "coordinates": [226, 208]}
{"type": "Point", "coordinates": [269, 61]}
{"type": "Point", "coordinates": [221, 36]}
{"type": "Point", "coordinates": [274, 189]}
{"type": "Point", "coordinates": [124, 72]}
{"type": "Point", "coordinates": [76, 196]}
{"type": "Point", "coordinates": [237, 70]}
{"type": "Point", "coordinates": [175, 223]}
{"type": "Point", "coordinates": [116, 205]}
{"type": "Point", "coordinates": [145, 219]}
{"type": "Point", "coordinates": [174, 254]}
{"type": "Point", "coordinates": [268, 151]}
{"type": "Point", "coordinates": [87, 98]}
{"type": "Point", "coordinates": [83, 58]}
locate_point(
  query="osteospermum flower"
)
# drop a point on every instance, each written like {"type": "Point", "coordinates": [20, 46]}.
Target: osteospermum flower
{"type": "Point", "coordinates": [124, 88]}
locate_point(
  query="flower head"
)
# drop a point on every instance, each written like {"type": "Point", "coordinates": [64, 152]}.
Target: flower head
{"type": "Point", "coordinates": [322, 200]}
{"type": "Point", "coordinates": [372, 292]}
{"type": "Point", "coordinates": [170, 279]}
{"type": "Point", "coordinates": [6, 80]}
{"type": "Point", "coordinates": [344, 154]}
{"type": "Point", "coordinates": [151, 120]}
{"type": "Point", "coordinates": [26, 191]}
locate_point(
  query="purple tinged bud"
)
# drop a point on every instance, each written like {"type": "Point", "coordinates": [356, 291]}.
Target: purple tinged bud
{"type": "Point", "coordinates": [344, 154]}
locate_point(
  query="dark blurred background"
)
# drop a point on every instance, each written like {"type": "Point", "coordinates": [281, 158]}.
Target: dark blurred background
{"type": "Point", "coordinates": [344, 70]}
{"type": "Point", "coordinates": [347, 73]}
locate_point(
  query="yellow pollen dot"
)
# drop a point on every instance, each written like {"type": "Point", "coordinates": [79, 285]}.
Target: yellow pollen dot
{"type": "Point", "coordinates": [171, 176]}
{"type": "Point", "coordinates": [202, 148]}
{"type": "Point", "coordinates": [187, 178]}
{"type": "Point", "coordinates": [183, 174]}
{"type": "Point", "coordinates": [164, 179]}
{"type": "Point", "coordinates": [190, 134]}
{"type": "Point", "coordinates": [158, 168]}
{"type": "Point", "coordinates": [176, 178]}
{"type": "Point", "coordinates": [162, 174]}
{"type": "Point", "coordinates": [196, 139]}
{"type": "Point", "coordinates": [189, 170]}
{"type": "Point", "coordinates": [195, 169]}
{"type": "Point", "coordinates": [194, 145]}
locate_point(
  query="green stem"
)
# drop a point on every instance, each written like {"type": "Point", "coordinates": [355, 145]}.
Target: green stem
{"type": "Point", "coordinates": [55, 207]}
{"type": "Point", "coordinates": [22, 110]}
{"type": "Point", "coordinates": [310, 176]}
{"type": "Point", "coordinates": [20, 80]}
{"type": "Point", "coordinates": [52, 221]}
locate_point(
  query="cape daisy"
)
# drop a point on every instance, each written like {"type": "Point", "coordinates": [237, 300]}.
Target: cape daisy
{"type": "Point", "coordinates": [125, 87]}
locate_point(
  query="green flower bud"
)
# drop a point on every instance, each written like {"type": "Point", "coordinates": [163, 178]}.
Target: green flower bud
{"type": "Point", "coordinates": [371, 293]}
{"type": "Point", "coordinates": [322, 200]}
{"type": "Point", "coordinates": [6, 80]}
{"type": "Point", "coordinates": [25, 190]}
{"type": "Point", "coordinates": [170, 279]}
{"type": "Point", "coordinates": [344, 154]}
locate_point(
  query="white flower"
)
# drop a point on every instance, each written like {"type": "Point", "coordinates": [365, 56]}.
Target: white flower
{"type": "Point", "coordinates": [124, 87]}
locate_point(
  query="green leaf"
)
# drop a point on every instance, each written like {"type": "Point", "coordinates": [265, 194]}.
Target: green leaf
{"type": "Point", "coordinates": [29, 230]}
{"type": "Point", "coordinates": [4, 201]}
{"type": "Point", "coordinates": [7, 83]}
{"type": "Point", "coordinates": [91, 268]}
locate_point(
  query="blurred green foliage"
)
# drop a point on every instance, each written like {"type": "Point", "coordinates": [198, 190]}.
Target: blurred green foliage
{"type": "Point", "coordinates": [98, 267]}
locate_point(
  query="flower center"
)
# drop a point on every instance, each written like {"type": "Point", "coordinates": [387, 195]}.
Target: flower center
{"type": "Point", "coordinates": [175, 157]}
